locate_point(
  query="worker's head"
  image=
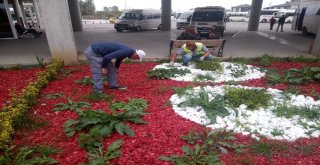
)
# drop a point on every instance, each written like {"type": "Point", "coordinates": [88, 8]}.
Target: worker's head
{"type": "Point", "coordinates": [190, 29]}
{"type": "Point", "coordinates": [138, 54]}
{"type": "Point", "coordinates": [191, 45]}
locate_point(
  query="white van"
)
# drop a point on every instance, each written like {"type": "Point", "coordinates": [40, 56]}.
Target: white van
{"type": "Point", "coordinates": [139, 19]}
{"type": "Point", "coordinates": [288, 13]}
{"type": "Point", "coordinates": [238, 16]}
{"type": "Point", "coordinates": [307, 19]}
{"type": "Point", "coordinates": [266, 14]}
{"type": "Point", "coordinates": [204, 17]}
{"type": "Point", "coordinates": [184, 19]}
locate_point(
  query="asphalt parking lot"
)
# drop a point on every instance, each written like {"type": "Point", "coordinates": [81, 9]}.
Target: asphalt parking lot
{"type": "Point", "coordinates": [239, 42]}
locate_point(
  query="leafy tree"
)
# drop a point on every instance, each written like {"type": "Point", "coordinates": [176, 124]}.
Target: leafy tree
{"type": "Point", "coordinates": [87, 7]}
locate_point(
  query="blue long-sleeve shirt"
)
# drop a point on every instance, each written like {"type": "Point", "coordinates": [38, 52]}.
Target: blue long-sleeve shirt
{"type": "Point", "coordinates": [111, 50]}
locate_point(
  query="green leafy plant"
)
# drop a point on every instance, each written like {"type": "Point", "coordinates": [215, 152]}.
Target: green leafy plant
{"type": "Point", "coordinates": [68, 72]}
{"type": "Point", "coordinates": [266, 60]}
{"type": "Point", "coordinates": [54, 95]}
{"type": "Point", "coordinates": [238, 70]}
{"type": "Point", "coordinates": [274, 77]}
{"type": "Point", "coordinates": [161, 74]}
{"type": "Point", "coordinates": [28, 155]}
{"type": "Point", "coordinates": [182, 90]}
{"type": "Point", "coordinates": [213, 108]}
{"type": "Point", "coordinates": [267, 149]}
{"type": "Point", "coordinates": [99, 123]}
{"type": "Point", "coordinates": [252, 98]}
{"type": "Point", "coordinates": [100, 157]}
{"type": "Point", "coordinates": [71, 105]}
{"type": "Point", "coordinates": [304, 112]}
{"type": "Point", "coordinates": [89, 142]}
{"type": "Point", "coordinates": [133, 104]}
{"type": "Point", "coordinates": [240, 60]}
{"type": "Point", "coordinates": [206, 77]}
{"type": "Point", "coordinates": [94, 97]}
{"type": "Point", "coordinates": [209, 65]}
{"type": "Point", "coordinates": [85, 81]}
{"type": "Point", "coordinates": [218, 141]}
{"type": "Point", "coordinates": [162, 89]}
{"type": "Point", "coordinates": [193, 156]}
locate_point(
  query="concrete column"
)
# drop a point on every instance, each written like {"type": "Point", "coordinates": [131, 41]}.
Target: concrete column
{"type": "Point", "coordinates": [75, 14]}
{"type": "Point", "coordinates": [38, 13]}
{"type": "Point", "coordinates": [256, 6]}
{"type": "Point", "coordinates": [166, 15]}
{"type": "Point", "coordinates": [57, 24]}
{"type": "Point", "coordinates": [18, 12]}
{"type": "Point", "coordinates": [316, 44]}
{"type": "Point", "coordinates": [23, 13]}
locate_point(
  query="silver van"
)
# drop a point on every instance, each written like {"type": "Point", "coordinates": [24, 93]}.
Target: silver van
{"type": "Point", "coordinates": [139, 19]}
{"type": "Point", "coordinates": [203, 18]}
{"type": "Point", "coordinates": [184, 19]}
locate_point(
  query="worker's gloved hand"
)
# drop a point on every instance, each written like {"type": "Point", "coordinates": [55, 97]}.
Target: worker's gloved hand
{"type": "Point", "coordinates": [171, 63]}
{"type": "Point", "coordinates": [201, 58]}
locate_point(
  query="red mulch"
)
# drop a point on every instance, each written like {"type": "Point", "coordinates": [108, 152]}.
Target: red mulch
{"type": "Point", "coordinates": [159, 137]}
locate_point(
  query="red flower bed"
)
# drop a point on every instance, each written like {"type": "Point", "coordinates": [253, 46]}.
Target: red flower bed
{"type": "Point", "coordinates": [15, 80]}
{"type": "Point", "coordinates": [161, 136]}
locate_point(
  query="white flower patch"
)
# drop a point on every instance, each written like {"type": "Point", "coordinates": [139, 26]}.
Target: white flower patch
{"type": "Point", "coordinates": [226, 75]}
{"type": "Point", "coordinates": [258, 122]}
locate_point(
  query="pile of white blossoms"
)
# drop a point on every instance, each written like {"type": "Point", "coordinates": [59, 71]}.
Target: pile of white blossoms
{"type": "Point", "coordinates": [258, 122]}
{"type": "Point", "coordinates": [227, 74]}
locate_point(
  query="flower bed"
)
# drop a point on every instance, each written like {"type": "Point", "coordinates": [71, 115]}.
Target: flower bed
{"type": "Point", "coordinates": [159, 137]}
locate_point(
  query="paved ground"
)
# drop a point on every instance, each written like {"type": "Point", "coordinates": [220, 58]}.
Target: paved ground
{"type": "Point", "coordinates": [240, 43]}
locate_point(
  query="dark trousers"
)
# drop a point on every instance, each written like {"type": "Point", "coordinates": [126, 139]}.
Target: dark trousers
{"type": "Point", "coordinates": [271, 26]}
{"type": "Point", "coordinates": [280, 24]}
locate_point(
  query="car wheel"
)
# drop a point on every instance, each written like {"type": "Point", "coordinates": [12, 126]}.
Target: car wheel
{"type": "Point", "coordinates": [119, 30]}
{"type": "Point", "coordinates": [304, 31]}
{"type": "Point", "coordinates": [138, 28]}
{"type": "Point", "coordinates": [159, 27]}
{"type": "Point", "coordinates": [242, 20]}
{"type": "Point", "coordinates": [264, 20]}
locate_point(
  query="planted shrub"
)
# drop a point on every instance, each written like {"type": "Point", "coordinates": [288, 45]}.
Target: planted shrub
{"type": "Point", "coordinates": [161, 74]}
{"type": "Point", "coordinates": [209, 65]}
{"type": "Point", "coordinates": [252, 98]}
{"type": "Point", "coordinates": [266, 60]}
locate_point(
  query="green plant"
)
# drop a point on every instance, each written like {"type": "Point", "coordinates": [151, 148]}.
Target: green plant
{"type": "Point", "coordinates": [54, 95]}
{"type": "Point", "coordinates": [193, 156]}
{"type": "Point", "coordinates": [161, 74]}
{"type": "Point", "coordinates": [266, 60]}
{"type": "Point", "coordinates": [267, 149]}
{"type": "Point", "coordinates": [307, 149]}
{"type": "Point", "coordinates": [304, 112]}
{"type": "Point", "coordinates": [240, 60]}
{"type": "Point", "coordinates": [100, 157]}
{"type": "Point", "coordinates": [206, 77]}
{"type": "Point", "coordinates": [218, 141]}
{"type": "Point", "coordinates": [133, 104]}
{"type": "Point", "coordinates": [99, 123]}
{"type": "Point", "coordinates": [209, 65]}
{"type": "Point", "coordinates": [28, 155]}
{"type": "Point", "coordinates": [277, 132]}
{"type": "Point", "coordinates": [273, 77]}
{"type": "Point", "coordinates": [213, 108]}
{"type": "Point", "coordinates": [71, 105]}
{"type": "Point", "coordinates": [89, 142]}
{"type": "Point", "coordinates": [298, 76]}
{"type": "Point", "coordinates": [29, 122]}
{"type": "Point", "coordinates": [85, 81]}
{"type": "Point", "coordinates": [252, 98]}
{"type": "Point", "coordinates": [161, 89]}
{"type": "Point", "coordinates": [94, 97]}
{"type": "Point", "coordinates": [182, 90]}
{"type": "Point", "coordinates": [68, 72]}
{"type": "Point", "coordinates": [238, 70]}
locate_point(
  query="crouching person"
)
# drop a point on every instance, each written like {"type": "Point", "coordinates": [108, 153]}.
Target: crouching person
{"type": "Point", "coordinates": [100, 57]}
{"type": "Point", "coordinates": [192, 51]}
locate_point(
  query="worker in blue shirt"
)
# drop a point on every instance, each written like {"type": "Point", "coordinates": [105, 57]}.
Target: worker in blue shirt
{"type": "Point", "coordinates": [100, 57]}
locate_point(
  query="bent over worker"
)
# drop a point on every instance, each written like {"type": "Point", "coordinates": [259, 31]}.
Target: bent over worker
{"type": "Point", "coordinates": [192, 51]}
{"type": "Point", "coordinates": [100, 57]}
